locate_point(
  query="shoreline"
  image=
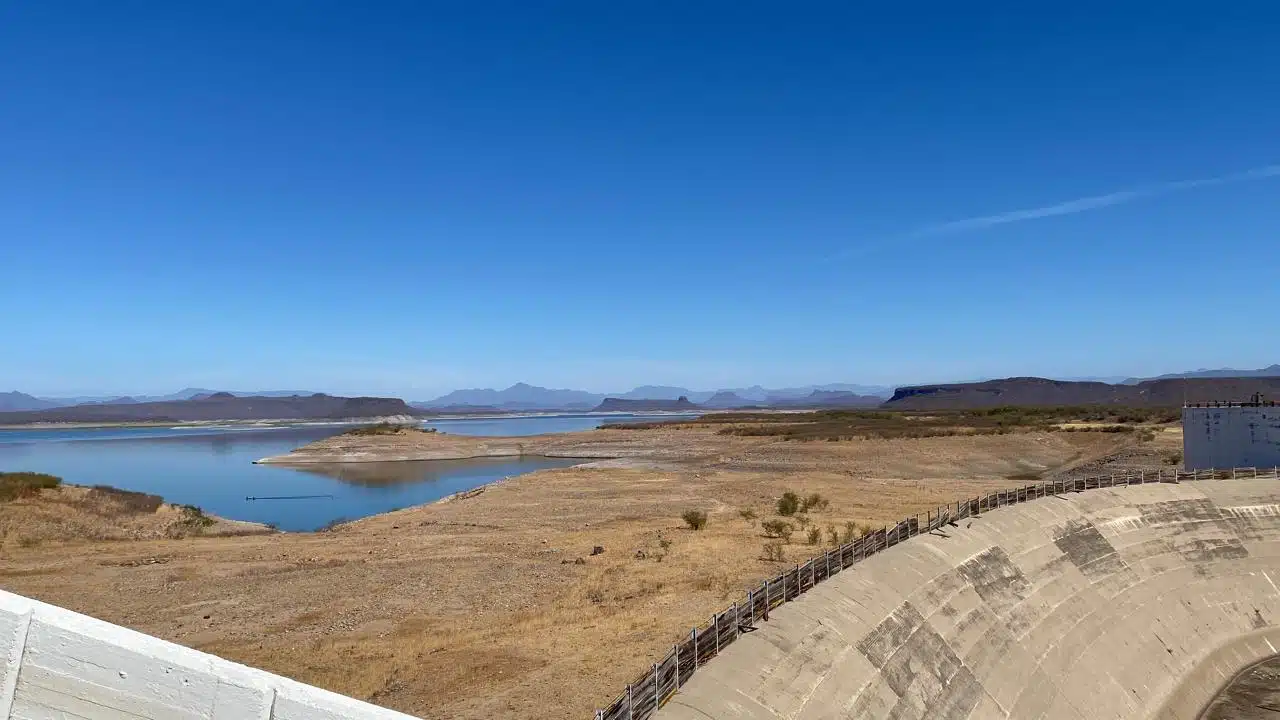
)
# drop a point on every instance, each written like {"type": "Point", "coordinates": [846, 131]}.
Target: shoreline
{"type": "Point", "coordinates": [273, 422]}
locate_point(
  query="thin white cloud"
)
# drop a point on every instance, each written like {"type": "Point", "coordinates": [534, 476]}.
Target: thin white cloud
{"type": "Point", "coordinates": [1070, 207]}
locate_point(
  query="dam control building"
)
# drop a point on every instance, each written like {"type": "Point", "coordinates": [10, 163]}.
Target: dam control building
{"type": "Point", "coordinates": [1231, 434]}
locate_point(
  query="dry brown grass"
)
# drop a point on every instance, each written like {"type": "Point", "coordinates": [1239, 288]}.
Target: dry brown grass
{"type": "Point", "coordinates": [73, 514]}
{"type": "Point", "coordinates": [477, 608]}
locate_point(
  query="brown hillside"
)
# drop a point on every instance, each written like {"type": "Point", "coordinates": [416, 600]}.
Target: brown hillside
{"type": "Point", "coordinates": [1031, 391]}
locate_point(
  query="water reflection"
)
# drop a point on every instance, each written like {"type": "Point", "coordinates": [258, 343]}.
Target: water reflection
{"type": "Point", "coordinates": [212, 467]}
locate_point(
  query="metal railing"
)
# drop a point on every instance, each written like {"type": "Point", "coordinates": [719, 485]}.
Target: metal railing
{"type": "Point", "coordinates": [651, 690]}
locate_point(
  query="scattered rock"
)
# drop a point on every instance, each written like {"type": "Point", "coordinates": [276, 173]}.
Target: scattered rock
{"type": "Point", "coordinates": [597, 550]}
{"type": "Point", "coordinates": [579, 561]}
{"type": "Point", "coordinates": [640, 555]}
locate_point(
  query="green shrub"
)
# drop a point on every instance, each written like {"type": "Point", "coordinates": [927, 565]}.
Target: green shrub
{"type": "Point", "coordinates": [695, 519]}
{"type": "Point", "coordinates": [833, 536]}
{"type": "Point", "coordinates": [788, 504]}
{"type": "Point", "coordinates": [1173, 459]}
{"type": "Point", "coordinates": [815, 502]}
{"type": "Point", "coordinates": [777, 529]}
{"type": "Point", "coordinates": [194, 516]}
{"type": "Point", "coordinates": [14, 485]}
{"type": "Point", "coordinates": [815, 536]}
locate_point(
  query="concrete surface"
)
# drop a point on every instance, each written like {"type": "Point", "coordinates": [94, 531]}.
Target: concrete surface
{"type": "Point", "coordinates": [1131, 602]}
{"type": "Point", "coordinates": [1230, 437]}
{"type": "Point", "coordinates": [62, 665]}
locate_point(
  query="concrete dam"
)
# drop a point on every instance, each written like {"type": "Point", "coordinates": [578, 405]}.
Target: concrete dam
{"type": "Point", "coordinates": [1141, 601]}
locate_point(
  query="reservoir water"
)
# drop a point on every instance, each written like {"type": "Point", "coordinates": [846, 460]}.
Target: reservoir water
{"type": "Point", "coordinates": [212, 466]}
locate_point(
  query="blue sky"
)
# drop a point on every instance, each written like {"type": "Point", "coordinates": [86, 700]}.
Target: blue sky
{"type": "Point", "coordinates": [410, 197]}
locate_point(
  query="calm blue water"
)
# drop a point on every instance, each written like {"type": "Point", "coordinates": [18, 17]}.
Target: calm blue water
{"type": "Point", "coordinates": [212, 467]}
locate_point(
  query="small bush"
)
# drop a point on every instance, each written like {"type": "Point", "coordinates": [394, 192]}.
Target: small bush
{"type": "Point", "coordinates": [815, 536]}
{"type": "Point", "coordinates": [747, 514]}
{"type": "Point", "coordinates": [14, 485]}
{"type": "Point", "coordinates": [193, 515]}
{"type": "Point", "coordinates": [1173, 459]}
{"type": "Point", "coordinates": [774, 552]}
{"type": "Point", "coordinates": [853, 531]}
{"type": "Point", "coordinates": [695, 519]}
{"type": "Point", "coordinates": [664, 543]}
{"type": "Point", "coordinates": [777, 529]}
{"type": "Point", "coordinates": [814, 502]}
{"type": "Point", "coordinates": [788, 504]}
{"type": "Point", "coordinates": [802, 521]}
{"type": "Point", "coordinates": [833, 536]}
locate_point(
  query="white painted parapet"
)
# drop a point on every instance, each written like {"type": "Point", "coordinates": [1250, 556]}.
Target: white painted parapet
{"type": "Point", "coordinates": [60, 664]}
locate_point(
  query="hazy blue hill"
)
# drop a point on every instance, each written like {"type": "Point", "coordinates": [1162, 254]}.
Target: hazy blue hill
{"type": "Point", "coordinates": [220, 406]}
{"type": "Point", "coordinates": [1271, 371]}
{"type": "Point", "coordinates": [17, 401]}
{"type": "Point", "coordinates": [520, 396]}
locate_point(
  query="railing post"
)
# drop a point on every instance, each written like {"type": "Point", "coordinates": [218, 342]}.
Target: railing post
{"type": "Point", "coordinates": [657, 686]}
{"type": "Point", "coordinates": [715, 620]}
{"type": "Point", "coordinates": [751, 603]}
{"type": "Point", "coordinates": [766, 600]}
{"type": "Point", "coordinates": [694, 634]}
{"type": "Point", "coordinates": [675, 649]}
{"type": "Point", "coordinates": [630, 706]}
{"type": "Point", "coordinates": [735, 621]}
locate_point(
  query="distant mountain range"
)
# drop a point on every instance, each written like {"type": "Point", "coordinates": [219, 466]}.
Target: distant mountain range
{"type": "Point", "coordinates": [17, 401]}
{"type": "Point", "coordinates": [523, 396]}
{"type": "Point", "coordinates": [220, 406]}
{"type": "Point", "coordinates": [526, 397]}
{"type": "Point", "coordinates": [1271, 371]}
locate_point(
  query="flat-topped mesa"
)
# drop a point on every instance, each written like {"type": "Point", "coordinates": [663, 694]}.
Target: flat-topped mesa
{"type": "Point", "coordinates": [624, 405]}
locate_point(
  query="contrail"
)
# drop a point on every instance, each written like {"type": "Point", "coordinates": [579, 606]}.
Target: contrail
{"type": "Point", "coordinates": [1071, 207]}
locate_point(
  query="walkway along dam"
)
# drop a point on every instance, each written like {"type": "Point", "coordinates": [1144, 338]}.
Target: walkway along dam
{"type": "Point", "coordinates": [1121, 597]}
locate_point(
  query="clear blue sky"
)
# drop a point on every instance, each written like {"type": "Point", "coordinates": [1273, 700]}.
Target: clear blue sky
{"type": "Point", "coordinates": [410, 197]}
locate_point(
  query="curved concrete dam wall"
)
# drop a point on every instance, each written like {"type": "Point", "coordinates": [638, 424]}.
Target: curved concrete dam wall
{"type": "Point", "coordinates": [60, 664]}
{"type": "Point", "coordinates": [1126, 602]}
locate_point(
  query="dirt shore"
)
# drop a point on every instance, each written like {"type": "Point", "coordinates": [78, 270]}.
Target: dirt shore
{"type": "Point", "coordinates": [494, 605]}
